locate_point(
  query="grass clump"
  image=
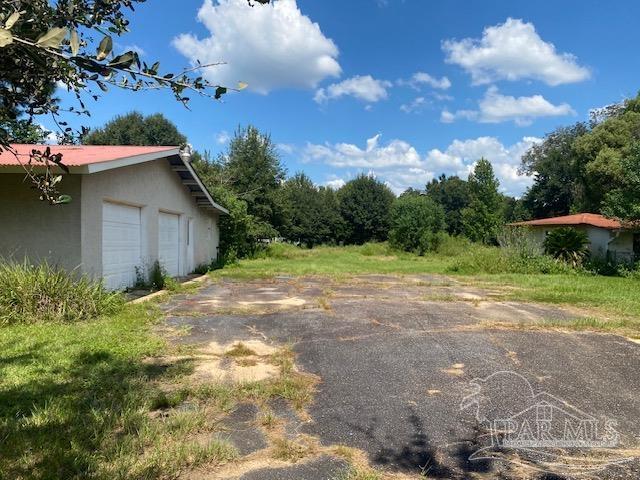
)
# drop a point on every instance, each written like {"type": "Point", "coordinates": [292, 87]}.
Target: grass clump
{"type": "Point", "coordinates": [45, 293]}
{"type": "Point", "coordinates": [239, 350]}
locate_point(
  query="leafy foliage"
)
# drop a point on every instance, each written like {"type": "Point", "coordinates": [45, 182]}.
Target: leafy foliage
{"type": "Point", "coordinates": [365, 204]}
{"type": "Point", "coordinates": [568, 245]}
{"type": "Point", "coordinates": [311, 213]}
{"type": "Point", "coordinates": [135, 129]}
{"type": "Point", "coordinates": [417, 223]}
{"type": "Point", "coordinates": [254, 172]}
{"type": "Point", "coordinates": [452, 193]}
{"type": "Point", "coordinates": [483, 218]}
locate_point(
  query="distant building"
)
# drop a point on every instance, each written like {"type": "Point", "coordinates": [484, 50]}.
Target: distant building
{"type": "Point", "coordinates": [607, 237]}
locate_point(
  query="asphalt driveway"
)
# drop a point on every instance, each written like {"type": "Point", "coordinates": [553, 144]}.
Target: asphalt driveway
{"type": "Point", "coordinates": [421, 373]}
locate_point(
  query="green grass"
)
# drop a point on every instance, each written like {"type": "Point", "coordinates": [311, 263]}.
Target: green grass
{"type": "Point", "coordinates": [619, 297]}
{"type": "Point", "coordinates": [334, 262]}
{"type": "Point", "coordinates": [75, 402]}
{"type": "Point", "coordinates": [43, 293]}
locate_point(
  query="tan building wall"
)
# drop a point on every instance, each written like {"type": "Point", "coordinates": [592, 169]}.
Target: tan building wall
{"type": "Point", "coordinates": [71, 235]}
{"type": "Point", "coordinates": [36, 230]}
{"type": "Point", "coordinates": [619, 244]}
{"type": "Point", "coordinates": [154, 187]}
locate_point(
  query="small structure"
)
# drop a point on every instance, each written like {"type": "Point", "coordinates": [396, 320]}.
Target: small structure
{"type": "Point", "coordinates": [130, 207]}
{"type": "Point", "coordinates": [608, 238]}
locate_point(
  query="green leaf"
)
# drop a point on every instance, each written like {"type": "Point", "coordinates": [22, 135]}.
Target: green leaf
{"type": "Point", "coordinates": [75, 42]}
{"type": "Point", "coordinates": [104, 49]}
{"type": "Point", "coordinates": [220, 91]}
{"type": "Point", "coordinates": [13, 18]}
{"type": "Point", "coordinates": [123, 61]}
{"type": "Point", "coordinates": [63, 199]}
{"type": "Point", "coordinates": [53, 38]}
{"type": "Point", "coordinates": [5, 37]}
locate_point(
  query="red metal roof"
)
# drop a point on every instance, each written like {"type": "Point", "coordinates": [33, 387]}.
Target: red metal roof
{"type": "Point", "coordinates": [592, 219]}
{"type": "Point", "coordinates": [78, 155]}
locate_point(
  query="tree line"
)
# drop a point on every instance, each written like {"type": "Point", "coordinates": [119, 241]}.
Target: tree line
{"type": "Point", "coordinates": [590, 166]}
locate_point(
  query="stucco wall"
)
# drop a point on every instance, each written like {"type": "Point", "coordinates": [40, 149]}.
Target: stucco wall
{"type": "Point", "coordinates": [601, 240]}
{"type": "Point", "coordinates": [34, 229]}
{"type": "Point", "coordinates": [153, 186]}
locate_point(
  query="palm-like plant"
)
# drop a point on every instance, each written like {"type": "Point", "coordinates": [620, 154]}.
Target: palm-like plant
{"type": "Point", "coordinates": [568, 245]}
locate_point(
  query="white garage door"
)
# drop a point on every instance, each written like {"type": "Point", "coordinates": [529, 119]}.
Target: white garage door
{"type": "Point", "coordinates": [169, 242]}
{"type": "Point", "coordinates": [120, 245]}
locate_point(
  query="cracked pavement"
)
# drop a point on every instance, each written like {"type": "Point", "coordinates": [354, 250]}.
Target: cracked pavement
{"type": "Point", "coordinates": [396, 357]}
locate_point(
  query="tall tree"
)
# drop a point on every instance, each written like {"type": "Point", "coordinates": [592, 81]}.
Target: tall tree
{"type": "Point", "coordinates": [303, 207]}
{"type": "Point", "coordinates": [609, 150]}
{"type": "Point", "coordinates": [416, 221]}
{"type": "Point", "coordinates": [365, 204]}
{"type": "Point", "coordinates": [256, 173]}
{"type": "Point", "coordinates": [453, 194]}
{"type": "Point", "coordinates": [136, 129]}
{"type": "Point", "coordinates": [558, 169]}
{"type": "Point", "coordinates": [239, 231]}
{"type": "Point", "coordinates": [484, 216]}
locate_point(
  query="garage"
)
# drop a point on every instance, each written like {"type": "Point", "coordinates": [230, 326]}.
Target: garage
{"type": "Point", "coordinates": [169, 242]}
{"type": "Point", "coordinates": [121, 245]}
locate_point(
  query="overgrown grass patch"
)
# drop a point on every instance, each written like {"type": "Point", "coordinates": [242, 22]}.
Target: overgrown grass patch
{"type": "Point", "coordinates": [42, 292]}
{"type": "Point", "coordinates": [77, 401]}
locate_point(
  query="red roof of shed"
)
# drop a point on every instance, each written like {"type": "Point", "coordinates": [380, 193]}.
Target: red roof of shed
{"type": "Point", "coordinates": [78, 155]}
{"type": "Point", "coordinates": [592, 219]}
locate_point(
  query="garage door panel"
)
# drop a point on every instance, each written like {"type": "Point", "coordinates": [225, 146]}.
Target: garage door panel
{"type": "Point", "coordinates": [169, 242]}
{"type": "Point", "coordinates": [121, 244]}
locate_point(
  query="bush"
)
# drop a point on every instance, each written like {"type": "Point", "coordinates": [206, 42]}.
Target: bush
{"type": "Point", "coordinates": [34, 293]}
{"type": "Point", "coordinates": [417, 223]}
{"type": "Point", "coordinates": [567, 245]}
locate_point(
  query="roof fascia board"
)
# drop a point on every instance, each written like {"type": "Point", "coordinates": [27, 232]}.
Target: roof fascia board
{"type": "Point", "coordinates": [203, 188]}
{"type": "Point", "coordinates": [128, 161]}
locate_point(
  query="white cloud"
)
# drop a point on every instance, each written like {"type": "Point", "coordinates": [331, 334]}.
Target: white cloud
{"type": "Point", "coordinates": [496, 108]}
{"type": "Point", "coordinates": [223, 137]}
{"type": "Point", "coordinates": [461, 155]}
{"type": "Point", "coordinates": [269, 46]}
{"type": "Point", "coordinates": [335, 182]}
{"type": "Point", "coordinates": [420, 79]}
{"type": "Point", "coordinates": [415, 105]}
{"type": "Point", "coordinates": [513, 51]}
{"type": "Point", "coordinates": [364, 88]}
{"type": "Point", "coordinates": [286, 148]}
{"type": "Point", "coordinates": [400, 166]}
{"type": "Point", "coordinates": [345, 155]}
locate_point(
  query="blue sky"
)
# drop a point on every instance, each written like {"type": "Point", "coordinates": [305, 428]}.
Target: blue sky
{"type": "Point", "coordinates": [407, 89]}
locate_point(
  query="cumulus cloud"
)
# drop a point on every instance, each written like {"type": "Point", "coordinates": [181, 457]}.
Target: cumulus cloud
{"type": "Point", "coordinates": [513, 51]}
{"type": "Point", "coordinates": [496, 108]}
{"type": "Point", "coordinates": [421, 79]}
{"type": "Point", "coordinates": [460, 157]}
{"type": "Point", "coordinates": [364, 88]}
{"type": "Point", "coordinates": [335, 182]}
{"type": "Point", "coordinates": [400, 166]}
{"type": "Point", "coordinates": [415, 105]}
{"type": "Point", "coordinates": [270, 46]}
{"type": "Point", "coordinates": [396, 153]}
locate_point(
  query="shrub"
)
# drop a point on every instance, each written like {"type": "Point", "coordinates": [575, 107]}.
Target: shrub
{"type": "Point", "coordinates": [34, 293]}
{"type": "Point", "coordinates": [416, 224]}
{"type": "Point", "coordinates": [567, 245]}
